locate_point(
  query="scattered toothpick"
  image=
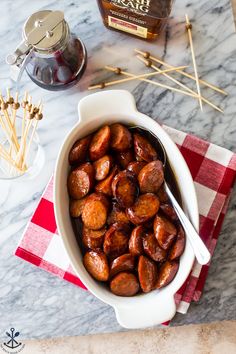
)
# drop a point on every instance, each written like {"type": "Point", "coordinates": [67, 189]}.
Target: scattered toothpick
{"type": "Point", "coordinates": [189, 27]}
{"type": "Point", "coordinates": [148, 55]}
{"type": "Point", "coordinates": [153, 82]}
{"type": "Point", "coordinates": [135, 77]}
{"type": "Point", "coordinates": [149, 63]}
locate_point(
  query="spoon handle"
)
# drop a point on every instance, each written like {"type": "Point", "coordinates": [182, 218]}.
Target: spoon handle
{"type": "Point", "coordinates": [201, 252]}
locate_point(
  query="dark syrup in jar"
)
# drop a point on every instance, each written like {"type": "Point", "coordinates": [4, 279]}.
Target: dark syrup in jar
{"type": "Point", "coordinates": [59, 70]}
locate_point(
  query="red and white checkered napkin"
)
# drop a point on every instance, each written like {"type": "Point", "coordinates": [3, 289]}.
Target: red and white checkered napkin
{"type": "Point", "coordinates": [213, 170]}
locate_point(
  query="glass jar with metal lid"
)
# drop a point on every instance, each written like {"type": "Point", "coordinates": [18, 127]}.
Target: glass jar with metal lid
{"type": "Point", "coordinates": [53, 57]}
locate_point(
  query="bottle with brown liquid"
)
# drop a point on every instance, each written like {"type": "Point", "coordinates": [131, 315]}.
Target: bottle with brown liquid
{"type": "Point", "coordinates": [142, 18]}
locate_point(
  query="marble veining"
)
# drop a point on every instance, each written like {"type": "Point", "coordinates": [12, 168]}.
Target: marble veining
{"type": "Point", "coordinates": [37, 303]}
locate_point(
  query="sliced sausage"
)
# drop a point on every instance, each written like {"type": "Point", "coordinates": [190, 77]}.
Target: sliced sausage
{"type": "Point", "coordinates": [100, 143]}
{"type": "Point", "coordinates": [105, 185]}
{"type": "Point", "coordinates": [152, 248]}
{"type": "Point", "coordinates": [151, 177]}
{"type": "Point", "coordinates": [145, 207]}
{"type": "Point", "coordinates": [125, 188]}
{"type": "Point", "coordinates": [165, 231]}
{"type": "Point", "coordinates": [136, 241]}
{"type": "Point", "coordinates": [102, 167]}
{"type": "Point", "coordinates": [162, 195]}
{"type": "Point", "coordinates": [135, 167]}
{"type": "Point", "coordinates": [80, 181]}
{"type": "Point", "coordinates": [124, 284]}
{"type": "Point", "coordinates": [125, 227]}
{"type": "Point", "coordinates": [169, 211]}
{"type": "Point", "coordinates": [117, 215]}
{"type": "Point", "coordinates": [96, 264]}
{"type": "Point", "coordinates": [76, 207]}
{"type": "Point", "coordinates": [124, 158]}
{"type": "Point", "coordinates": [94, 214]}
{"type": "Point", "coordinates": [93, 239]}
{"type": "Point", "coordinates": [178, 247]}
{"type": "Point", "coordinates": [126, 262]}
{"type": "Point", "coordinates": [115, 241]}
{"type": "Point", "coordinates": [147, 273]}
{"type": "Point", "coordinates": [167, 273]}
{"type": "Point", "coordinates": [121, 138]}
{"type": "Point", "coordinates": [144, 151]}
{"type": "Point", "coordinates": [79, 150]}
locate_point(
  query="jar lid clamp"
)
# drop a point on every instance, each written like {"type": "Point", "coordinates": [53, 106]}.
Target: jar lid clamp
{"type": "Point", "coordinates": [42, 32]}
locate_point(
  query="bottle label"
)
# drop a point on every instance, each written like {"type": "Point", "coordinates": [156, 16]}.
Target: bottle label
{"type": "Point", "coordinates": [127, 27]}
{"type": "Point", "coordinates": [139, 6]}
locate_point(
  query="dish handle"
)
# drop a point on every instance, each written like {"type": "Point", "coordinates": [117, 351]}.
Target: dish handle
{"type": "Point", "coordinates": [105, 103]}
{"type": "Point", "coordinates": [133, 316]}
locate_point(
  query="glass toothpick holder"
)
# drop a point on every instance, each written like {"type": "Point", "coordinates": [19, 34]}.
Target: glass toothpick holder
{"type": "Point", "coordinates": [21, 154]}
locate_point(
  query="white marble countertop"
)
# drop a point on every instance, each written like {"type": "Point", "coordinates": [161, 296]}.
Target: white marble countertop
{"type": "Point", "coordinates": [39, 304]}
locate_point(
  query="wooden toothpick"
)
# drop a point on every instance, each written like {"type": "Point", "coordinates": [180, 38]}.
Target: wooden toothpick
{"type": "Point", "coordinates": [38, 117]}
{"type": "Point", "coordinates": [29, 109]}
{"type": "Point", "coordinates": [15, 106]}
{"type": "Point", "coordinates": [9, 126]}
{"type": "Point", "coordinates": [15, 163]}
{"type": "Point", "coordinates": [4, 154]}
{"type": "Point", "coordinates": [149, 63]}
{"type": "Point", "coordinates": [157, 84]}
{"type": "Point", "coordinates": [135, 77]}
{"type": "Point", "coordinates": [147, 55]}
{"type": "Point", "coordinates": [189, 27]}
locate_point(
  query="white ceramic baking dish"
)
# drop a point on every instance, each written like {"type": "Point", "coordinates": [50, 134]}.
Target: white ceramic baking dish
{"type": "Point", "coordinates": [95, 110]}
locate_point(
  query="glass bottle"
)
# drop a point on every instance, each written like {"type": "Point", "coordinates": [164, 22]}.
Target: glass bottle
{"type": "Point", "coordinates": [142, 18]}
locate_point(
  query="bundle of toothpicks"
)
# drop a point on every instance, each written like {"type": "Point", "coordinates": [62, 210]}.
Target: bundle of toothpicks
{"type": "Point", "coordinates": [15, 147]}
{"type": "Point", "coordinates": [149, 60]}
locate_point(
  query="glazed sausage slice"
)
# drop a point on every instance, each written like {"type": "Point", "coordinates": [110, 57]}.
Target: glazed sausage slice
{"type": "Point", "coordinates": [178, 247]}
{"type": "Point", "coordinates": [147, 273]}
{"type": "Point", "coordinates": [167, 273]}
{"type": "Point", "coordinates": [80, 181]}
{"type": "Point", "coordinates": [145, 207]}
{"type": "Point", "coordinates": [121, 138]}
{"type": "Point", "coordinates": [122, 263]}
{"type": "Point", "coordinates": [125, 188]}
{"type": "Point", "coordinates": [165, 232]}
{"type": "Point", "coordinates": [169, 211]}
{"type": "Point", "coordinates": [144, 151]}
{"type": "Point", "coordinates": [162, 195]}
{"type": "Point", "coordinates": [93, 239]}
{"type": "Point", "coordinates": [79, 150]}
{"type": "Point", "coordinates": [105, 185]}
{"type": "Point", "coordinates": [94, 214]}
{"type": "Point", "coordinates": [151, 177]}
{"type": "Point", "coordinates": [76, 207]}
{"type": "Point", "coordinates": [102, 167]}
{"type": "Point", "coordinates": [136, 241]}
{"type": "Point", "coordinates": [96, 264]}
{"type": "Point", "coordinates": [124, 284]}
{"type": "Point", "coordinates": [124, 158]}
{"type": "Point", "coordinates": [115, 241]}
{"type": "Point", "coordinates": [135, 167]}
{"type": "Point", "coordinates": [100, 143]}
{"type": "Point", "coordinates": [152, 249]}
{"type": "Point", "coordinates": [117, 215]}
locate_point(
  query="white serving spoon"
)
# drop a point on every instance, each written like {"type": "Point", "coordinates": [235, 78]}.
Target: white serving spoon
{"type": "Point", "coordinates": [201, 252]}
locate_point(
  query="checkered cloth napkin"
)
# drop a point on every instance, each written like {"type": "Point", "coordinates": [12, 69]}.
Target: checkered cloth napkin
{"type": "Point", "coordinates": [213, 170]}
